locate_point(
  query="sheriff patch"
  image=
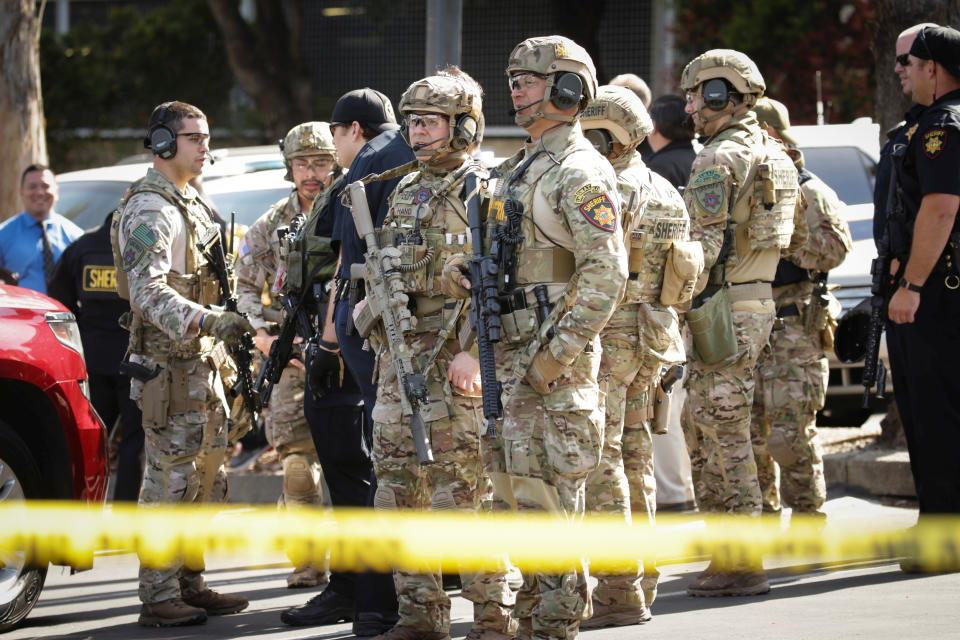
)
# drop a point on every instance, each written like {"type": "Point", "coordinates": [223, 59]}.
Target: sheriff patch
{"type": "Point", "coordinates": [99, 278]}
{"type": "Point", "coordinates": [423, 195]}
{"type": "Point", "coordinates": [585, 192]}
{"type": "Point", "coordinates": [669, 230]}
{"type": "Point", "coordinates": [708, 190]}
{"type": "Point", "coordinates": [600, 212]}
{"type": "Point", "coordinates": [133, 253]}
{"type": "Point", "coordinates": [933, 142]}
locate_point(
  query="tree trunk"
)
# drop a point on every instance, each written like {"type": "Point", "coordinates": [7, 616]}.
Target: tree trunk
{"type": "Point", "coordinates": [21, 103]}
{"type": "Point", "coordinates": [267, 63]}
{"type": "Point", "coordinates": [892, 17]}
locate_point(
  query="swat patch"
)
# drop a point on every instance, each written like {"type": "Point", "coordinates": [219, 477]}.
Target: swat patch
{"type": "Point", "coordinates": [707, 176]}
{"type": "Point", "coordinates": [98, 278]}
{"type": "Point", "coordinates": [933, 142]}
{"type": "Point", "coordinates": [708, 190]}
{"type": "Point", "coordinates": [145, 234]}
{"type": "Point", "coordinates": [133, 253]}
{"type": "Point", "coordinates": [912, 130]}
{"type": "Point", "coordinates": [586, 191]}
{"type": "Point", "coordinates": [669, 230]}
{"type": "Point", "coordinates": [600, 212]}
{"type": "Point", "coordinates": [423, 195]}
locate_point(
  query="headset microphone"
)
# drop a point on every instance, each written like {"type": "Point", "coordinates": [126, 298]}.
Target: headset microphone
{"type": "Point", "coordinates": [212, 158]}
{"type": "Point", "coordinates": [514, 112]}
{"type": "Point", "coordinates": [423, 145]}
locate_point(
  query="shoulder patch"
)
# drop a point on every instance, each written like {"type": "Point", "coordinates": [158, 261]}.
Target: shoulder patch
{"type": "Point", "coordinates": [600, 212]}
{"type": "Point", "coordinates": [586, 191]}
{"type": "Point", "coordinates": [707, 176]}
{"type": "Point", "coordinates": [711, 198]}
{"type": "Point", "coordinates": [934, 142]}
{"type": "Point", "coordinates": [145, 234]}
{"type": "Point", "coordinates": [133, 253]}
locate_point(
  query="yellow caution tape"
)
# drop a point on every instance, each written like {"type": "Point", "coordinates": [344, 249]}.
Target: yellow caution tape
{"type": "Point", "coordinates": [67, 533]}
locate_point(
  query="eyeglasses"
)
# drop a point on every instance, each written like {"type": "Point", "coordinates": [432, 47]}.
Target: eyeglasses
{"type": "Point", "coordinates": [524, 81]}
{"type": "Point", "coordinates": [428, 120]}
{"type": "Point", "coordinates": [195, 138]}
{"type": "Point", "coordinates": [308, 165]}
{"type": "Point", "coordinates": [903, 59]}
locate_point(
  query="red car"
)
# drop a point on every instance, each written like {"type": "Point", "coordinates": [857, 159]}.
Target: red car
{"type": "Point", "coordinates": [53, 445]}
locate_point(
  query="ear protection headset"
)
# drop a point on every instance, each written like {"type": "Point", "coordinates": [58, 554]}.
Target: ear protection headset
{"type": "Point", "coordinates": [162, 140]}
{"type": "Point", "coordinates": [567, 90]}
{"type": "Point", "coordinates": [601, 140]}
{"type": "Point", "coordinates": [464, 132]}
{"type": "Point", "coordinates": [716, 94]}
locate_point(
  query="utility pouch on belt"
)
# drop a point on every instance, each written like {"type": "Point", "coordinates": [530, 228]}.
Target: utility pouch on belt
{"type": "Point", "coordinates": [683, 266]}
{"type": "Point", "coordinates": [661, 411]}
{"type": "Point", "coordinates": [366, 320]}
{"type": "Point", "coordinates": [711, 326]}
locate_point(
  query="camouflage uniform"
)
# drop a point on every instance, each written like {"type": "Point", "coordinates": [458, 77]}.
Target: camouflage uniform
{"type": "Point", "coordinates": [641, 336]}
{"type": "Point", "coordinates": [429, 218]}
{"type": "Point", "coordinates": [286, 427]}
{"type": "Point", "coordinates": [184, 407]}
{"type": "Point", "coordinates": [572, 243]}
{"type": "Point", "coordinates": [793, 372]}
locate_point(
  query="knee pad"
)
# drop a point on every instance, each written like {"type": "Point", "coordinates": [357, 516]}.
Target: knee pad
{"type": "Point", "coordinates": [385, 499]}
{"type": "Point", "coordinates": [780, 446]}
{"type": "Point", "coordinates": [298, 481]}
{"type": "Point", "coordinates": [443, 500]}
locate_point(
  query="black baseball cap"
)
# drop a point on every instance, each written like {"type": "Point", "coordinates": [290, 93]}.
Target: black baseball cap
{"type": "Point", "coordinates": [940, 44]}
{"type": "Point", "coordinates": [366, 106]}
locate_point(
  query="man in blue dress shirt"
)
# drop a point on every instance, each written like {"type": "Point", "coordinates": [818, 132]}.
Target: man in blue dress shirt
{"type": "Point", "coordinates": [31, 242]}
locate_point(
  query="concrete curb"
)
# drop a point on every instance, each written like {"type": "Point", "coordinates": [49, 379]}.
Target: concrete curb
{"type": "Point", "coordinates": [880, 472]}
{"type": "Point", "coordinates": [255, 488]}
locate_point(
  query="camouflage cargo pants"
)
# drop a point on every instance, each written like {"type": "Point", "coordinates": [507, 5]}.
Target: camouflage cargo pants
{"type": "Point", "coordinates": [184, 424]}
{"type": "Point", "coordinates": [791, 387]}
{"type": "Point", "coordinates": [621, 483]}
{"type": "Point", "coordinates": [719, 404]}
{"type": "Point", "coordinates": [456, 481]}
{"type": "Point", "coordinates": [551, 443]}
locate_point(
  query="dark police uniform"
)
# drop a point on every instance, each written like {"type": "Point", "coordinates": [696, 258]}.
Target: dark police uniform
{"type": "Point", "coordinates": [924, 354]}
{"type": "Point", "coordinates": [85, 282]}
{"type": "Point", "coordinates": [673, 162]}
{"type": "Point", "coordinates": [897, 136]}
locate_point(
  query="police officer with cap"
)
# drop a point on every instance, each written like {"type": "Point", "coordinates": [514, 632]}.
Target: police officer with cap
{"type": "Point", "coordinates": [924, 310]}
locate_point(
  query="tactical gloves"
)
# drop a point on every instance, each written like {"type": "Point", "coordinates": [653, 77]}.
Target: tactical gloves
{"type": "Point", "coordinates": [228, 326]}
{"type": "Point", "coordinates": [543, 372]}
{"type": "Point", "coordinates": [454, 270]}
{"type": "Point", "coordinates": [324, 370]}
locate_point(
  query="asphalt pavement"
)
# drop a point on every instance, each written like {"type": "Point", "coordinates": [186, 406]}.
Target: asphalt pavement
{"type": "Point", "coordinates": [823, 598]}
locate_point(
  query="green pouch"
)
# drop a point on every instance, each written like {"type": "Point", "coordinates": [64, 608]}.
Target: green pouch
{"type": "Point", "coordinates": [711, 326]}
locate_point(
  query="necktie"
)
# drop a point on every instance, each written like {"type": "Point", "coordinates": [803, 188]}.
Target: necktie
{"type": "Point", "coordinates": [48, 262]}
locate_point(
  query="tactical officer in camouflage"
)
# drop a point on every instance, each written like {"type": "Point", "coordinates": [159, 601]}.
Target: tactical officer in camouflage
{"type": "Point", "coordinates": [177, 342]}
{"type": "Point", "coordinates": [556, 231]}
{"type": "Point", "coordinates": [428, 219]}
{"type": "Point", "coordinates": [792, 373]}
{"type": "Point", "coordinates": [310, 157]}
{"type": "Point", "coordinates": [742, 198]}
{"type": "Point", "coordinates": [641, 337]}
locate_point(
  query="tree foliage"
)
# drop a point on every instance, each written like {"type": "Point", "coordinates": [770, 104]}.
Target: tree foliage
{"type": "Point", "coordinates": [790, 41]}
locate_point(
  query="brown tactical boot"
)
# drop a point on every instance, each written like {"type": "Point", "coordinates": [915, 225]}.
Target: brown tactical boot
{"type": "Point", "coordinates": [170, 613]}
{"type": "Point", "coordinates": [400, 632]}
{"type": "Point", "coordinates": [307, 577]}
{"type": "Point", "coordinates": [742, 582]}
{"type": "Point", "coordinates": [486, 634]}
{"type": "Point", "coordinates": [605, 615]}
{"type": "Point", "coordinates": [217, 604]}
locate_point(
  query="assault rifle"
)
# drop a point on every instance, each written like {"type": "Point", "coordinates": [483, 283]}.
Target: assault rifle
{"type": "Point", "coordinates": [484, 307]}
{"type": "Point", "coordinates": [296, 322]}
{"type": "Point", "coordinates": [211, 247]}
{"type": "Point", "coordinates": [387, 302]}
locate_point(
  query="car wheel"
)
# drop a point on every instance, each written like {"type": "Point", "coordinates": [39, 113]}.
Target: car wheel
{"type": "Point", "coordinates": [20, 584]}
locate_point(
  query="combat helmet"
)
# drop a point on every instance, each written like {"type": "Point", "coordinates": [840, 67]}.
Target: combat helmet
{"type": "Point", "coordinates": [554, 57]}
{"type": "Point", "coordinates": [456, 95]}
{"type": "Point", "coordinates": [620, 113]}
{"type": "Point", "coordinates": [307, 139]}
{"type": "Point", "coordinates": [733, 66]}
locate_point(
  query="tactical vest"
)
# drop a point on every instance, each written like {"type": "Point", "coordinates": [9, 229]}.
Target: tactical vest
{"type": "Point", "coordinates": [787, 271]}
{"type": "Point", "coordinates": [198, 284]}
{"type": "Point", "coordinates": [309, 257]}
{"type": "Point", "coordinates": [654, 219]}
{"type": "Point", "coordinates": [428, 221]}
{"type": "Point", "coordinates": [763, 208]}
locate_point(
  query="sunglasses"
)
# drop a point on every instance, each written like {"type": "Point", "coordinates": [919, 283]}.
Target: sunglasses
{"type": "Point", "coordinates": [903, 59]}
{"type": "Point", "coordinates": [524, 81]}
{"type": "Point", "coordinates": [427, 120]}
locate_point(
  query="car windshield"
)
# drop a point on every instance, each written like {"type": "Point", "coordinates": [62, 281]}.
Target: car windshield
{"type": "Point", "coordinates": [87, 203]}
{"type": "Point", "coordinates": [249, 205]}
{"type": "Point", "coordinates": [848, 170]}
